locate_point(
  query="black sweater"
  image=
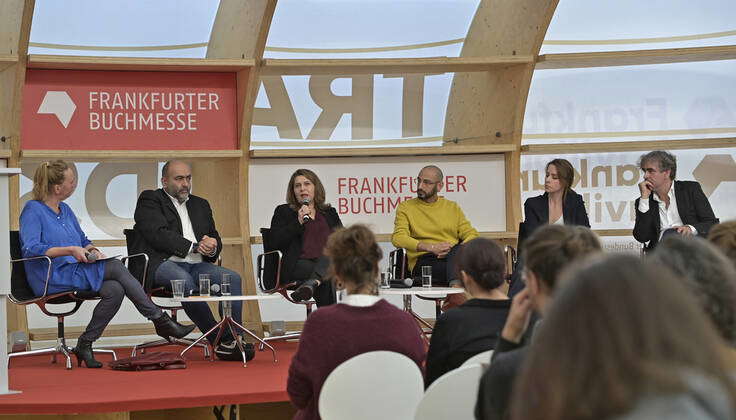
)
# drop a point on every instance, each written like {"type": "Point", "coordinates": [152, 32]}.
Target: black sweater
{"type": "Point", "coordinates": [463, 332]}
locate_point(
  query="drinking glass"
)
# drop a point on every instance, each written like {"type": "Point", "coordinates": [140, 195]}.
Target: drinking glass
{"type": "Point", "coordinates": [225, 285]}
{"type": "Point", "coordinates": [426, 276]}
{"type": "Point", "coordinates": [385, 280]}
{"type": "Point", "coordinates": [177, 288]}
{"type": "Point", "coordinates": [204, 285]}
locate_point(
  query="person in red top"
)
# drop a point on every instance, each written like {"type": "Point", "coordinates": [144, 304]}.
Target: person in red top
{"type": "Point", "coordinates": [361, 323]}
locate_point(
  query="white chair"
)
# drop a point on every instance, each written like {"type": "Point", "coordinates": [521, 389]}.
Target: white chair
{"type": "Point", "coordinates": [374, 385]}
{"type": "Point", "coordinates": [452, 396]}
{"type": "Point", "coordinates": [480, 358]}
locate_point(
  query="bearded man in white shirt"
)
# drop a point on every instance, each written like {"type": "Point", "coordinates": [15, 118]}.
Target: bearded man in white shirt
{"type": "Point", "coordinates": [669, 206]}
{"type": "Point", "coordinates": [177, 231]}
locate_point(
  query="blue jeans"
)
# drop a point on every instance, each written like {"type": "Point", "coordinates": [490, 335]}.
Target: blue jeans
{"type": "Point", "coordinates": [199, 312]}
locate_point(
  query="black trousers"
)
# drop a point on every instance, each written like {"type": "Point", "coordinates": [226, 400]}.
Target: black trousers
{"type": "Point", "coordinates": [116, 284]}
{"type": "Point", "coordinates": [316, 268]}
{"type": "Point", "coordinates": [444, 270]}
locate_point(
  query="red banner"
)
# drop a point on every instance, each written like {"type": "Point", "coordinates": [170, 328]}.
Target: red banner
{"type": "Point", "coordinates": [129, 110]}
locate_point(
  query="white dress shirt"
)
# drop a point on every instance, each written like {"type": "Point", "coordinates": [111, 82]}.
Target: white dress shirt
{"type": "Point", "coordinates": [360, 300]}
{"type": "Point", "coordinates": [669, 217]}
{"type": "Point", "coordinates": [187, 232]}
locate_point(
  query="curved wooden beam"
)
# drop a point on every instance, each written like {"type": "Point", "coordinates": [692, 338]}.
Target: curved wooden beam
{"type": "Point", "coordinates": [489, 107]}
{"type": "Point", "coordinates": [239, 32]}
{"type": "Point", "coordinates": [15, 31]}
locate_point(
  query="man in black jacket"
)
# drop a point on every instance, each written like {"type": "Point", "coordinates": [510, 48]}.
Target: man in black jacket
{"type": "Point", "coordinates": [667, 205]}
{"type": "Point", "coordinates": [177, 232]}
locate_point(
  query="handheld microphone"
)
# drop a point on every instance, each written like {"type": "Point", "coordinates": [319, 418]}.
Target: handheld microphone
{"type": "Point", "coordinates": [306, 217]}
{"type": "Point", "coordinates": [402, 283]}
{"type": "Point", "coordinates": [215, 289]}
{"type": "Point", "coordinates": [91, 257]}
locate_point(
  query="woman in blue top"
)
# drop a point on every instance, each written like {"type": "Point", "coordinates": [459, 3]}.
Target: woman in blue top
{"type": "Point", "coordinates": [49, 227]}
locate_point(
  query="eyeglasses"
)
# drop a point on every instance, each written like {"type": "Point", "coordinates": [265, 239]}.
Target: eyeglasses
{"type": "Point", "coordinates": [426, 182]}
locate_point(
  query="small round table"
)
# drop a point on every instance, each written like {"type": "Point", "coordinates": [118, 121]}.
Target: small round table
{"type": "Point", "coordinates": [409, 292]}
{"type": "Point", "coordinates": [228, 321]}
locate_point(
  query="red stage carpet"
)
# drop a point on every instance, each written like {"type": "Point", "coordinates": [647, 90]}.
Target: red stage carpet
{"type": "Point", "coordinates": [51, 389]}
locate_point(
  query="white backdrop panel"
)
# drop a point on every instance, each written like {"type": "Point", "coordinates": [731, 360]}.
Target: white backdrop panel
{"type": "Point", "coordinates": [608, 182]}
{"type": "Point", "coordinates": [368, 189]}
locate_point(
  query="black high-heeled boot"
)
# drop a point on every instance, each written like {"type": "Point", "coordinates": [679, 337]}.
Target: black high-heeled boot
{"type": "Point", "coordinates": [305, 291]}
{"type": "Point", "coordinates": [167, 327]}
{"type": "Point", "coordinates": [84, 353]}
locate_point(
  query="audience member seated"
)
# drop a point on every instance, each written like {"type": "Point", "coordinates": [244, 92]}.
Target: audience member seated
{"type": "Point", "coordinates": [299, 229]}
{"type": "Point", "coordinates": [361, 323]}
{"type": "Point", "coordinates": [707, 274]}
{"type": "Point", "coordinates": [474, 326]}
{"type": "Point", "coordinates": [624, 340]}
{"type": "Point", "coordinates": [559, 204]}
{"type": "Point", "coordinates": [723, 235]}
{"type": "Point", "coordinates": [547, 252]}
{"type": "Point", "coordinates": [48, 226]}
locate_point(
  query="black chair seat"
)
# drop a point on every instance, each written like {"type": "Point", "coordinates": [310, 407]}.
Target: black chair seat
{"type": "Point", "coordinates": [22, 294]}
{"type": "Point", "coordinates": [71, 296]}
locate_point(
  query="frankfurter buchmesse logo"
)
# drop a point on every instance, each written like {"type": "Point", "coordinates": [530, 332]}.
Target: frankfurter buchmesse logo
{"type": "Point", "coordinates": [713, 170]}
{"type": "Point", "coordinates": [60, 104]}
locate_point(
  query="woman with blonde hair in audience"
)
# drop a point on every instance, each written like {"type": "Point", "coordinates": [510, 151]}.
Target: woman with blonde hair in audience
{"type": "Point", "coordinates": [48, 226]}
{"type": "Point", "coordinates": [360, 323]}
{"type": "Point", "coordinates": [622, 339]}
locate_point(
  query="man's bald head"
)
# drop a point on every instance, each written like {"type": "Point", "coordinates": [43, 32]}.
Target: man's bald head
{"type": "Point", "coordinates": [435, 171]}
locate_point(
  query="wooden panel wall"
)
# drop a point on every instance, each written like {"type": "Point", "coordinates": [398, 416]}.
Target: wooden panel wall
{"type": "Point", "coordinates": [15, 30]}
{"type": "Point", "coordinates": [240, 31]}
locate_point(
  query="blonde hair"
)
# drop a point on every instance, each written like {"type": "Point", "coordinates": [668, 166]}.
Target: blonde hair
{"type": "Point", "coordinates": [47, 175]}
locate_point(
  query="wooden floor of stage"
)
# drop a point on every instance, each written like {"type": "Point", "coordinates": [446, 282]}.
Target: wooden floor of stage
{"type": "Point", "coordinates": [51, 389]}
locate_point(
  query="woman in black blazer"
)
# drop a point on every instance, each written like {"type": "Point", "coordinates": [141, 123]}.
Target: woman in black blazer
{"type": "Point", "coordinates": [559, 203]}
{"type": "Point", "coordinates": [299, 229]}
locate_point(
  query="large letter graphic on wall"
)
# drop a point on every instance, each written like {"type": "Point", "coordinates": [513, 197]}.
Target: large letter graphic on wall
{"type": "Point", "coordinates": [359, 104]}
{"type": "Point", "coordinates": [95, 193]}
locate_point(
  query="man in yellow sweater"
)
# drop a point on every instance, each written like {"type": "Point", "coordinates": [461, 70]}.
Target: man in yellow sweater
{"type": "Point", "coordinates": [430, 227]}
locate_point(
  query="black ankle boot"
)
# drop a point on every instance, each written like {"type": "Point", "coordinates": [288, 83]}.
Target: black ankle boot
{"type": "Point", "coordinates": [167, 327]}
{"type": "Point", "coordinates": [305, 291]}
{"type": "Point", "coordinates": [83, 351]}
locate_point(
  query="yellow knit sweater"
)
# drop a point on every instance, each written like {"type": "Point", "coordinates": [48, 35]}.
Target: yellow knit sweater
{"type": "Point", "coordinates": [417, 221]}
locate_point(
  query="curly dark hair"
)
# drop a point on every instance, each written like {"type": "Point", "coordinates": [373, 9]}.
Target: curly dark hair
{"type": "Point", "coordinates": [665, 161]}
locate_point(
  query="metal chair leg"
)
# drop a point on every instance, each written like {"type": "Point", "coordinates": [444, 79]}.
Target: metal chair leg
{"type": "Point", "coordinates": [106, 351]}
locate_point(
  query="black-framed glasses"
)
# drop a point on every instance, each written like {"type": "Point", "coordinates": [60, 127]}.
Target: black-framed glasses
{"type": "Point", "coordinates": [426, 182]}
